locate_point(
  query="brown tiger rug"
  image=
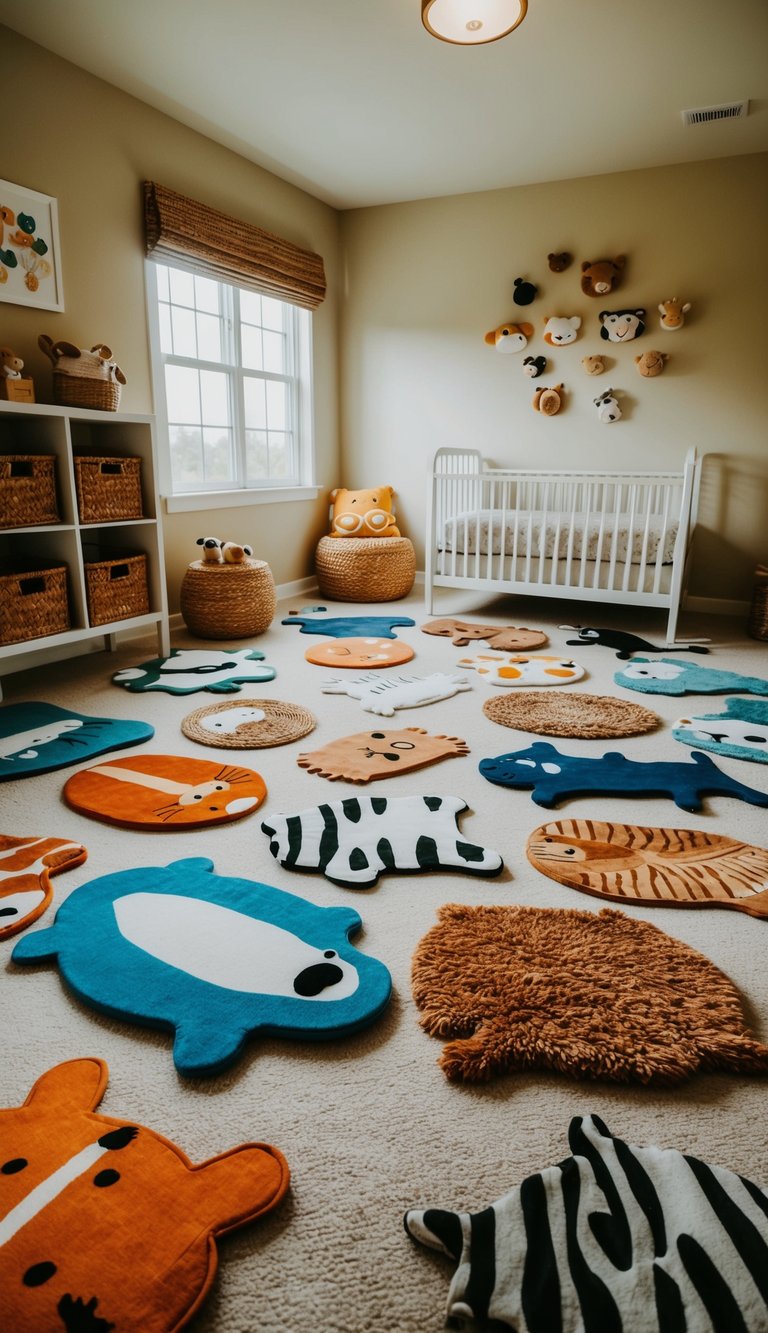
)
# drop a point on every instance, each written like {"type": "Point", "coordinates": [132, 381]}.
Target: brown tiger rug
{"type": "Point", "coordinates": [591, 995]}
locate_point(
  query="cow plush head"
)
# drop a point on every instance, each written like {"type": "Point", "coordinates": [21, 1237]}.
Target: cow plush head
{"type": "Point", "coordinates": [607, 405]}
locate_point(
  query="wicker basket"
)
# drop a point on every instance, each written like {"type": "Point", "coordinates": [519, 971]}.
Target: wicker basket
{"type": "Point", "coordinates": [33, 603]}
{"type": "Point", "coordinates": [757, 624]}
{"type": "Point", "coordinates": [108, 489]}
{"type": "Point", "coordinates": [27, 490]}
{"type": "Point", "coordinates": [116, 588]}
{"type": "Point", "coordinates": [77, 391]}
{"type": "Point", "coordinates": [365, 569]}
{"type": "Point", "coordinates": [228, 601]}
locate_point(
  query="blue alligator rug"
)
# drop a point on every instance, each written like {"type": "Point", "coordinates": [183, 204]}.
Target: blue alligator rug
{"type": "Point", "coordinates": [218, 670]}
{"type": "Point", "coordinates": [346, 627]}
{"type": "Point", "coordinates": [669, 676]}
{"type": "Point", "coordinates": [38, 737]}
{"type": "Point", "coordinates": [625, 644]}
{"type": "Point", "coordinates": [741, 731]}
{"type": "Point", "coordinates": [215, 959]}
{"type": "Point", "coordinates": [552, 777]}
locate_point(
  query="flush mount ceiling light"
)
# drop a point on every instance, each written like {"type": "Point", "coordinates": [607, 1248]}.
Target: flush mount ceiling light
{"type": "Point", "coordinates": [472, 22]}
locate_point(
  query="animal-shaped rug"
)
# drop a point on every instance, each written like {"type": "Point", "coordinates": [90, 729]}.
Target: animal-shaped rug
{"type": "Point", "coordinates": [611, 1238]}
{"type": "Point", "coordinates": [384, 694]}
{"type": "Point", "coordinates": [660, 867]}
{"type": "Point", "coordinates": [344, 627]}
{"type": "Point", "coordinates": [354, 841]}
{"type": "Point", "coordinates": [589, 716]}
{"type": "Point", "coordinates": [552, 777]}
{"type": "Point", "coordinates": [107, 1224]}
{"type": "Point", "coordinates": [668, 676]}
{"type": "Point", "coordinates": [369, 755]}
{"type": "Point", "coordinates": [165, 791]}
{"type": "Point", "coordinates": [27, 866]}
{"type": "Point", "coordinates": [741, 731]}
{"type": "Point", "coordinates": [214, 958]}
{"type": "Point", "coordinates": [187, 670]}
{"type": "Point", "coordinates": [625, 644]}
{"type": "Point", "coordinates": [248, 724]}
{"type": "Point", "coordinates": [593, 995]}
{"type": "Point", "coordinates": [356, 653]}
{"type": "Point", "coordinates": [38, 738]}
{"type": "Point", "coordinates": [541, 670]}
{"type": "Point", "coordinates": [503, 639]}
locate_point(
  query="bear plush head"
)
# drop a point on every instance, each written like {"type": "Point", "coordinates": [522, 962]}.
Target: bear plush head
{"type": "Point", "coordinates": [593, 365]}
{"type": "Point", "coordinates": [650, 364]}
{"type": "Point", "coordinates": [600, 276]}
{"type": "Point", "coordinates": [363, 513]}
{"type": "Point", "coordinates": [559, 262]}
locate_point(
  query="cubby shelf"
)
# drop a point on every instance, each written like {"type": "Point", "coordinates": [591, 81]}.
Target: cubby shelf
{"type": "Point", "coordinates": [42, 428]}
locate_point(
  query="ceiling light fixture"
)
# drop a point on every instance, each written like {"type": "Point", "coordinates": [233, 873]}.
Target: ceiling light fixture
{"type": "Point", "coordinates": [472, 22]}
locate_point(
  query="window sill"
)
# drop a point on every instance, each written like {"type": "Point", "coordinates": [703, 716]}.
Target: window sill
{"type": "Point", "coordinates": [191, 500]}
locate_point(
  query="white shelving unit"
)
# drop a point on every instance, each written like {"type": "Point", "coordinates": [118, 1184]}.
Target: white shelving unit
{"type": "Point", "coordinates": [41, 428]}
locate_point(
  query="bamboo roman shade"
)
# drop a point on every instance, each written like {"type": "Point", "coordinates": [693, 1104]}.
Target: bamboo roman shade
{"type": "Point", "coordinates": [179, 229]}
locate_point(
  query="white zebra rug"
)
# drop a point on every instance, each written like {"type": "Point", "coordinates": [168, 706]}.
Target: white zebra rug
{"type": "Point", "coordinates": [615, 1239]}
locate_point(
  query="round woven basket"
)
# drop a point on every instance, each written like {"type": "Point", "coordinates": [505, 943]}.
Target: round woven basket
{"type": "Point", "coordinates": [228, 601]}
{"type": "Point", "coordinates": [365, 569]}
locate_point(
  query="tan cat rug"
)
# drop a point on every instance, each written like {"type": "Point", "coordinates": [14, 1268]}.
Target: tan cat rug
{"type": "Point", "coordinates": [591, 995]}
{"type": "Point", "coordinates": [585, 715]}
{"type": "Point", "coordinates": [667, 867]}
{"type": "Point", "coordinates": [369, 755]}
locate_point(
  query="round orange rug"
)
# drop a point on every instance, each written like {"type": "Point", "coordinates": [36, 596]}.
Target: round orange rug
{"type": "Point", "coordinates": [358, 653]}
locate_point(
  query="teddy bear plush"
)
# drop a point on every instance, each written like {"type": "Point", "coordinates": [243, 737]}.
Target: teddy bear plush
{"type": "Point", "coordinates": [650, 364]}
{"type": "Point", "coordinates": [600, 276]}
{"type": "Point", "coordinates": [363, 513]}
{"type": "Point", "coordinates": [593, 365]}
{"type": "Point", "coordinates": [560, 262]}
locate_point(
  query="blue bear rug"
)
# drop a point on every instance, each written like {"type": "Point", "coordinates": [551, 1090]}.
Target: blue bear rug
{"type": "Point", "coordinates": [39, 737]}
{"type": "Point", "coordinates": [213, 958]}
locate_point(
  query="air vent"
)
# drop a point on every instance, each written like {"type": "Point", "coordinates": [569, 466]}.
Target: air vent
{"type": "Point", "coordinates": [701, 115]}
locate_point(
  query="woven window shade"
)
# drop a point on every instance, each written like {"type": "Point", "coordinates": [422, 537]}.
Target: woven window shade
{"type": "Point", "coordinates": [179, 229]}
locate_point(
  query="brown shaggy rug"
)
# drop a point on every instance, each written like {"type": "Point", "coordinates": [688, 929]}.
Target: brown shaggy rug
{"type": "Point", "coordinates": [572, 714]}
{"type": "Point", "coordinates": [592, 995]}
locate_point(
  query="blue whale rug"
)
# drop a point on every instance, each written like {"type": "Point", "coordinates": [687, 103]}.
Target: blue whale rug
{"type": "Point", "coordinates": [213, 958]}
{"type": "Point", "coordinates": [39, 737]}
{"type": "Point", "coordinates": [668, 676]}
{"type": "Point", "coordinates": [552, 777]}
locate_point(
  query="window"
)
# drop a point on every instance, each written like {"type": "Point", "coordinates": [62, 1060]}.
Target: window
{"type": "Point", "coordinates": [232, 388]}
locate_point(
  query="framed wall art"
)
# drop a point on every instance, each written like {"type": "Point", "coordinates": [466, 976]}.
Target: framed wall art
{"type": "Point", "coordinates": [30, 255]}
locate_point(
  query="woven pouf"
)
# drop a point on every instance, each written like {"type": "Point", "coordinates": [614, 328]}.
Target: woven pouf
{"type": "Point", "coordinates": [228, 601]}
{"type": "Point", "coordinates": [365, 569]}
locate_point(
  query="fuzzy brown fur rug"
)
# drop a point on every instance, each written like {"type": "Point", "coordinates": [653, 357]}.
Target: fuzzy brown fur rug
{"type": "Point", "coordinates": [592, 995]}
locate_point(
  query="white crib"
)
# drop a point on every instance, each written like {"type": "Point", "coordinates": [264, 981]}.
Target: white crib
{"type": "Point", "coordinates": [619, 537]}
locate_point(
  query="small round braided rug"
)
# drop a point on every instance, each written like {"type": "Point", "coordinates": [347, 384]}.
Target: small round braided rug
{"type": "Point", "coordinates": [248, 724]}
{"type": "Point", "coordinates": [574, 714]}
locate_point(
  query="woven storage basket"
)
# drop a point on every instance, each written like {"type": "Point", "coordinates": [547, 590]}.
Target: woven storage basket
{"type": "Point", "coordinates": [33, 603]}
{"type": "Point", "coordinates": [757, 624]}
{"type": "Point", "coordinates": [108, 489]}
{"type": "Point", "coordinates": [27, 490]}
{"type": "Point", "coordinates": [78, 391]}
{"type": "Point", "coordinates": [228, 601]}
{"type": "Point", "coordinates": [365, 569]}
{"type": "Point", "coordinates": [116, 588]}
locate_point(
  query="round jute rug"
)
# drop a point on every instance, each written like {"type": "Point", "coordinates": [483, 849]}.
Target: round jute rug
{"type": "Point", "coordinates": [585, 715]}
{"type": "Point", "coordinates": [248, 724]}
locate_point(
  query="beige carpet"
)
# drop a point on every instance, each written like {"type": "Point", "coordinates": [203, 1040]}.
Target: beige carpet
{"type": "Point", "coordinates": [370, 1125]}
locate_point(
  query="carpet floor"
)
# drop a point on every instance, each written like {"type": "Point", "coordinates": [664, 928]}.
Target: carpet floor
{"type": "Point", "coordinates": [369, 1124]}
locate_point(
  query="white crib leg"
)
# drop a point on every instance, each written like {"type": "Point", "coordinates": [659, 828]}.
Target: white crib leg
{"type": "Point", "coordinates": [674, 612]}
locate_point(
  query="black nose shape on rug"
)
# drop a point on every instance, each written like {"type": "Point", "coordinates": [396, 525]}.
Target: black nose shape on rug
{"type": "Point", "coordinates": [314, 979]}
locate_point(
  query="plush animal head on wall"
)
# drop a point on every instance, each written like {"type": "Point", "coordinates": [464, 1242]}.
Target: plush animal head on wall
{"type": "Point", "coordinates": [509, 337]}
{"type": "Point", "coordinates": [96, 363]}
{"type": "Point", "coordinates": [600, 276]}
{"type": "Point", "coordinates": [650, 364]}
{"type": "Point", "coordinates": [608, 409]}
{"type": "Point", "coordinates": [673, 313]}
{"type": "Point", "coordinates": [524, 292]}
{"type": "Point", "coordinates": [363, 513]}
{"type": "Point", "coordinates": [593, 365]}
{"type": "Point", "coordinates": [548, 401]}
{"type": "Point", "coordinates": [533, 366]}
{"type": "Point", "coordinates": [560, 330]}
{"type": "Point", "coordinates": [621, 326]}
{"type": "Point", "coordinates": [560, 262]}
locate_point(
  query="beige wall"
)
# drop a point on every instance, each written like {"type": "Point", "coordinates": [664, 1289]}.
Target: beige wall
{"type": "Point", "coordinates": [426, 280]}
{"type": "Point", "coordinates": [91, 146]}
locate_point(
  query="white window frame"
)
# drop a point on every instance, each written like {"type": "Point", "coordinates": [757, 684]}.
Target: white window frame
{"type": "Point", "coordinates": [263, 492]}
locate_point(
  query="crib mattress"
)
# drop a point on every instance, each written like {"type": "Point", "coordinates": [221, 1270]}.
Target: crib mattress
{"type": "Point", "coordinates": [524, 533]}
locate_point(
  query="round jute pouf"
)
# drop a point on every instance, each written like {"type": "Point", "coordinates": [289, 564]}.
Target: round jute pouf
{"type": "Point", "coordinates": [365, 569]}
{"type": "Point", "coordinates": [248, 724]}
{"type": "Point", "coordinates": [228, 601]}
{"type": "Point", "coordinates": [585, 715]}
